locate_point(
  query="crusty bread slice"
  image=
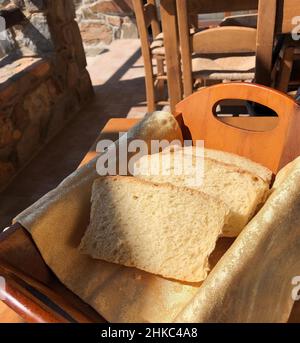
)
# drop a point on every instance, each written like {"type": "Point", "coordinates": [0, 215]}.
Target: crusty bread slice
{"type": "Point", "coordinates": [235, 160]}
{"type": "Point", "coordinates": [163, 229]}
{"type": "Point", "coordinates": [242, 191]}
{"type": "Point", "coordinates": [240, 162]}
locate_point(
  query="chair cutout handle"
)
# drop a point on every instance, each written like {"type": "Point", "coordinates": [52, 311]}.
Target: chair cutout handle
{"type": "Point", "coordinates": [272, 148]}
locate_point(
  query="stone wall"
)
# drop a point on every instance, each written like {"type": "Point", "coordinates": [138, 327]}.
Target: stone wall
{"type": "Point", "coordinates": [102, 21]}
{"type": "Point", "coordinates": [43, 81]}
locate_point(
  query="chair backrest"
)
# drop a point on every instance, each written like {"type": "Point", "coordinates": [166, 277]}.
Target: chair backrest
{"type": "Point", "coordinates": [273, 148]}
{"type": "Point", "coordinates": [267, 14]}
{"type": "Point", "coordinates": [146, 16]}
{"type": "Point", "coordinates": [288, 62]}
{"type": "Point", "coordinates": [274, 17]}
{"type": "Point", "coordinates": [227, 39]}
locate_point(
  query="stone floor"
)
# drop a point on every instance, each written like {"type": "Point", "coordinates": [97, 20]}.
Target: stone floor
{"type": "Point", "coordinates": [117, 76]}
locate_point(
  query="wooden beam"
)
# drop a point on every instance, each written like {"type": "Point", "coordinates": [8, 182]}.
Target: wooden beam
{"type": "Point", "coordinates": [186, 56]}
{"type": "Point", "coordinates": [265, 41]}
{"type": "Point", "coordinates": [171, 42]}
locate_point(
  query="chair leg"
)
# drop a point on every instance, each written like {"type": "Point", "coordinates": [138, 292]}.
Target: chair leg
{"type": "Point", "coordinates": [160, 83]}
{"type": "Point", "coordinates": [150, 93]}
{"type": "Point", "coordinates": [286, 66]}
{"type": "Point", "coordinates": [184, 36]}
{"type": "Point", "coordinates": [149, 83]}
{"type": "Point", "coordinates": [149, 78]}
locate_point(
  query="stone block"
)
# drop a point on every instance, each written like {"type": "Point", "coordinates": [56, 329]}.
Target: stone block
{"type": "Point", "coordinates": [8, 93]}
{"type": "Point", "coordinates": [73, 74]}
{"type": "Point", "coordinates": [28, 144]}
{"type": "Point", "coordinates": [7, 171]}
{"type": "Point", "coordinates": [70, 10]}
{"type": "Point", "coordinates": [72, 105]}
{"type": "Point", "coordinates": [129, 30]}
{"type": "Point", "coordinates": [35, 5]}
{"type": "Point", "coordinates": [94, 32]}
{"type": "Point", "coordinates": [121, 7]}
{"type": "Point", "coordinates": [6, 152]}
{"type": "Point", "coordinates": [20, 117]}
{"type": "Point", "coordinates": [87, 13]}
{"type": "Point", "coordinates": [114, 20]}
{"type": "Point", "coordinates": [78, 46]}
{"type": "Point", "coordinates": [20, 76]}
{"type": "Point", "coordinates": [6, 131]}
{"type": "Point", "coordinates": [60, 66]}
{"type": "Point", "coordinates": [40, 68]}
{"type": "Point", "coordinates": [85, 89]}
{"type": "Point", "coordinates": [57, 120]}
{"type": "Point", "coordinates": [117, 32]}
{"type": "Point", "coordinates": [61, 11]}
{"type": "Point", "coordinates": [38, 105]}
{"type": "Point", "coordinates": [53, 89]}
{"type": "Point", "coordinates": [67, 34]}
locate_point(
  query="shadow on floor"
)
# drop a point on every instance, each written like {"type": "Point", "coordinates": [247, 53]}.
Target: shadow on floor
{"type": "Point", "coordinates": [115, 98]}
{"type": "Point", "coordinates": [119, 96]}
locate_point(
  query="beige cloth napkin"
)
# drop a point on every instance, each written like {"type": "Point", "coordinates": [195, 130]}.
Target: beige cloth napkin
{"type": "Point", "coordinates": [252, 282]}
{"type": "Point", "coordinates": [57, 223]}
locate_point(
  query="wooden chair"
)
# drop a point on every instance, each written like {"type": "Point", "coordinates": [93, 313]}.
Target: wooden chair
{"type": "Point", "coordinates": [287, 68]}
{"type": "Point", "coordinates": [146, 16]}
{"type": "Point", "coordinates": [217, 54]}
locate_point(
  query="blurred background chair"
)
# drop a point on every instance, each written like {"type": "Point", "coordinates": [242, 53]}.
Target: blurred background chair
{"type": "Point", "coordinates": [287, 66]}
{"type": "Point", "coordinates": [152, 50]}
{"type": "Point", "coordinates": [247, 43]}
{"type": "Point", "coordinates": [220, 54]}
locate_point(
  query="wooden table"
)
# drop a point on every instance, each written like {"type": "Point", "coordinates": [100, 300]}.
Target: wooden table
{"type": "Point", "coordinates": [275, 16]}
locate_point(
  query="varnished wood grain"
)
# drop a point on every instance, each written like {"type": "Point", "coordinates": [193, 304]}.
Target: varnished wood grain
{"type": "Point", "coordinates": [267, 13]}
{"type": "Point", "coordinates": [273, 148]}
{"type": "Point", "coordinates": [145, 46]}
{"type": "Point", "coordinates": [36, 294]}
{"type": "Point", "coordinates": [32, 290]}
{"type": "Point", "coordinates": [184, 37]}
{"type": "Point", "coordinates": [288, 10]}
{"type": "Point", "coordinates": [169, 25]}
{"type": "Point", "coordinates": [147, 16]}
{"type": "Point", "coordinates": [224, 39]}
{"type": "Point", "coordinates": [204, 6]}
{"type": "Point", "coordinates": [171, 41]}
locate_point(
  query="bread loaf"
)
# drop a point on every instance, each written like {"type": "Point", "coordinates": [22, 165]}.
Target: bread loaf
{"type": "Point", "coordinates": [162, 229]}
{"type": "Point", "coordinates": [241, 190]}
{"type": "Point", "coordinates": [235, 160]}
{"type": "Point", "coordinates": [253, 280]}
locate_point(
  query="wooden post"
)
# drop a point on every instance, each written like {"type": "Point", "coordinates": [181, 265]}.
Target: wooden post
{"type": "Point", "coordinates": [265, 41]}
{"type": "Point", "coordinates": [169, 24]}
{"type": "Point", "coordinates": [184, 35]}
